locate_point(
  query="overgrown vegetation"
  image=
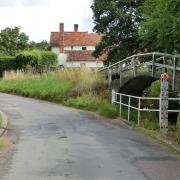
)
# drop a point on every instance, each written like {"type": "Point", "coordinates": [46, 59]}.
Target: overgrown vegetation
{"type": "Point", "coordinates": [136, 26]}
{"type": "Point", "coordinates": [7, 63]}
{"type": "Point", "coordinates": [26, 60]}
{"type": "Point", "coordinates": [1, 145]}
{"type": "Point", "coordinates": [79, 88]}
{"type": "Point", "coordinates": [33, 58]}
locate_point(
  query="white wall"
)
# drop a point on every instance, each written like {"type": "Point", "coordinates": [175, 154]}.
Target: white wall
{"type": "Point", "coordinates": [62, 59]}
{"type": "Point", "coordinates": [55, 50]}
{"type": "Point", "coordinates": [79, 48]}
{"type": "Point", "coordinates": [75, 48]}
{"type": "Point", "coordinates": [92, 64]}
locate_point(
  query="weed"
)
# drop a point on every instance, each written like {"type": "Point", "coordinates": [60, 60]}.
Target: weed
{"type": "Point", "coordinates": [178, 136]}
{"type": "Point", "coordinates": [1, 145]}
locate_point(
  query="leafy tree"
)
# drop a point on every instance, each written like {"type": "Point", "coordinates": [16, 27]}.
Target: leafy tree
{"type": "Point", "coordinates": [161, 29]}
{"type": "Point", "coordinates": [118, 21]}
{"type": "Point", "coordinates": [43, 45]}
{"type": "Point", "coordinates": [12, 41]}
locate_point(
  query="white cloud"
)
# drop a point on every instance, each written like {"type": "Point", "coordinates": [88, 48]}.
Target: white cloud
{"type": "Point", "coordinates": [8, 2]}
{"type": "Point", "coordinates": [34, 2]}
{"type": "Point", "coordinates": [38, 18]}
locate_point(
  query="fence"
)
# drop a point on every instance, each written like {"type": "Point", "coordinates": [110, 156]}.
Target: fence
{"type": "Point", "coordinates": [117, 98]}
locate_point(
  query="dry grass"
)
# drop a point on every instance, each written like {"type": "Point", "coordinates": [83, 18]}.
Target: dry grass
{"type": "Point", "coordinates": [16, 75]}
{"type": "Point", "coordinates": [85, 81]}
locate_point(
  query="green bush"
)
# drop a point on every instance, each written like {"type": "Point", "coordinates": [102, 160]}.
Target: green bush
{"type": "Point", "coordinates": [27, 58]}
{"type": "Point", "coordinates": [108, 110]}
{"type": "Point", "coordinates": [46, 86]}
{"type": "Point", "coordinates": [178, 136]}
{"type": "Point", "coordinates": [34, 58]}
{"type": "Point", "coordinates": [48, 58]}
{"type": "Point", "coordinates": [91, 102]}
{"type": "Point", "coordinates": [178, 122]}
{"type": "Point", "coordinates": [7, 63]}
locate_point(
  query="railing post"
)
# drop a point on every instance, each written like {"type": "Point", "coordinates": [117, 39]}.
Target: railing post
{"type": "Point", "coordinates": [109, 77]}
{"type": "Point", "coordinates": [134, 66]}
{"type": "Point", "coordinates": [153, 65]}
{"type": "Point", "coordinates": [120, 105]}
{"type": "Point", "coordinates": [129, 103]}
{"type": "Point", "coordinates": [174, 73]}
{"type": "Point", "coordinates": [120, 74]}
{"type": "Point", "coordinates": [139, 111]}
{"type": "Point", "coordinates": [113, 96]}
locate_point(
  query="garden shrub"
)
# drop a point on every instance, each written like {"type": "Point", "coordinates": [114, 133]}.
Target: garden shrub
{"type": "Point", "coordinates": [33, 58]}
{"type": "Point", "coordinates": [7, 63]}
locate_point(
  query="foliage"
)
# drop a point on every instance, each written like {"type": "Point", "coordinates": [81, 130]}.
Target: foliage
{"type": "Point", "coordinates": [12, 41]}
{"type": "Point", "coordinates": [7, 63]}
{"type": "Point", "coordinates": [43, 45]}
{"type": "Point", "coordinates": [178, 122]}
{"type": "Point", "coordinates": [118, 21]}
{"type": "Point", "coordinates": [57, 86]}
{"type": "Point", "coordinates": [178, 136]}
{"type": "Point", "coordinates": [34, 58]}
{"type": "Point", "coordinates": [47, 87]}
{"type": "Point", "coordinates": [153, 90]}
{"type": "Point", "coordinates": [160, 30]}
{"type": "Point", "coordinates": [91, 102]}
{"type": "Point", "coordinates": [2, 145]}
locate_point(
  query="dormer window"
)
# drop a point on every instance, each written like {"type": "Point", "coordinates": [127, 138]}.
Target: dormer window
{"type": "Point", "coordinates": [84, 48]}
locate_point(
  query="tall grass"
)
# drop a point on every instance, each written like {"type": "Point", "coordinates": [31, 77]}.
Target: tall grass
{"type": "Point", "coordinates": [46, 86]}
{"type": "Point", "coordinates": [16, 75]}
{"type": "Point", "coordinates": [80, 88]}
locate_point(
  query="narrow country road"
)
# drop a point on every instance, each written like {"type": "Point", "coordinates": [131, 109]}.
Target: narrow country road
{"type": "Point", "coordinates": [58, 143]}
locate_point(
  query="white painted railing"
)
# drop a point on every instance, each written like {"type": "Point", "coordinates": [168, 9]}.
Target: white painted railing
{"type": "Point", "coordinates": [117, 99]}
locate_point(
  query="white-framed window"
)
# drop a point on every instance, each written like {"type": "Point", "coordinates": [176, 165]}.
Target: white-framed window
{"type": "Point", "coordinates": [82, 64]}
{"type": "Point", "coordinates": [84, 48]}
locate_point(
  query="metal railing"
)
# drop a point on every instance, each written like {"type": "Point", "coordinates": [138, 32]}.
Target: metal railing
{"type": "Point", "coordinates": [146, 62]}
{"type": "Point", "coordinates": [117, 98]}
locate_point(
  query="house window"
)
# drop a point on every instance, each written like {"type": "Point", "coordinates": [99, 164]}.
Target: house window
{"type": "Point", "coordinates": [84, 48]}
{"type": "Point", "coordinates": [82, 65]}
{"type": "Point", "coordinates": [72, 47]}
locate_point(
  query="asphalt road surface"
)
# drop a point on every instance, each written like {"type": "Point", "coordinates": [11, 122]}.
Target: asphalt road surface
{"type": "Point", "coordinates": [58, 143]}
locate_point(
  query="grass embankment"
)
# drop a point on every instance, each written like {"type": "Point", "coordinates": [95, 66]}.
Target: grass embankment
{"type": "Point", "coordinates": [80, 88]}
{"type": "Point", "coordinates": [1, 143]}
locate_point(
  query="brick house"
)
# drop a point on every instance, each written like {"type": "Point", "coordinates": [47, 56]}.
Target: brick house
{"type": "Point", "coordinates": [75, 48]}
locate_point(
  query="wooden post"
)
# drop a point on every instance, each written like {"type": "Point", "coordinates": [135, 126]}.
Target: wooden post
{"type": "Point", "coordinates": [120, 105]}
{"type": "Point", "coordinates": [134, 66]}
{"type": "Point", "coordinates": [109, 77]}
{"type": "Point", "coordinates": [139, 111]}
{"type": "Point", "coordinates": [129, 109]}
{"type": "Point", "coordinates": [163, 112]}
{"type": "Point", "coordinates": [113, 96]}
{"type": "Point", "coordinates": [120, 74]}
{"type": "Point", "coordinates": [174, 73]}
{"type": "Point", "coordinates": [153, 65]}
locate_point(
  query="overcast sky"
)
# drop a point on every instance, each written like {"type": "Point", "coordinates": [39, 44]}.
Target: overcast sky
{"type": "Point", "coordinates": [37, 18]}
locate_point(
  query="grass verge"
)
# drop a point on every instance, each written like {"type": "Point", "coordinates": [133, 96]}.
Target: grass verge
{"type": "Point", "coordinates": [2, 145]}
{"type": "Point", "coordinates": [91, 102]}
{"type": "Point", "coordinates": [80, 88]}
{"type": "Point", "coordinates": [46, 87]}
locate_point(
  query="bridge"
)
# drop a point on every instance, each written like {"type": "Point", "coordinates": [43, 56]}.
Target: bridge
{"type": "Point", "coordinates": [133, 74]}
{"type": "Point", "coordinates": [128, 79]}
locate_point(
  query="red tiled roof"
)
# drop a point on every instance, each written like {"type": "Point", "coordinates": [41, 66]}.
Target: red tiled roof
{"type": "Point", "coordinates": [80, 56]}
{"type": "Point", "coordinates": [54, 40]}
{"type": "Point", "coordinates": [75, 39]}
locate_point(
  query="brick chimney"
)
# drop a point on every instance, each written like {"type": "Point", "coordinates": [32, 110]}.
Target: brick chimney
{"type": "Point", "coordinates": [61, 32]}
{"type": "Point", "coordinates": [76, 27]}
